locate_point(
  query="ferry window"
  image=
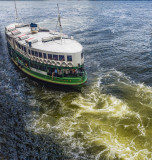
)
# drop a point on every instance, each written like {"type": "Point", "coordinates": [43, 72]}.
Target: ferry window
{"type": "Point", "coordinates": [55, 57]}
{"type": "Point", "coordinates": [33, 53]}
{"type": "Point", "coordinates": [44, 55]}
{"type": "Point", "coordinates": [29, 51]}
{"type": "Point", "coordinates": [25, 62]}
{"type": "Point", "coordinates": [40, 54]}
{"type": "Point", "coordinates": [81, 55]}
{"type": "Point", "coordinates": [34, 65]}
{"type": "Point", "coordinates": [61, 58]}
{"type": "Point", "coordinates": [36, 54]}
{"type": "Point", "coordinates": [19, 45]}
{"type": "Point", "coordinates": [50, 56]}
{"type": "Point", "coordinates": [42, 68]}
{"type": "Point", "coordinates": [24, 49]}
{"type": "Point", "coordinates": [69, 58]}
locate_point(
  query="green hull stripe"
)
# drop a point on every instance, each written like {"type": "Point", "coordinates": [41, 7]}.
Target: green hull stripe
{"type": "Point", "coordinates": [56, 80]}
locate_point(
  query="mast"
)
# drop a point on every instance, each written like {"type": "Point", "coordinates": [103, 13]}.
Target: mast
{"type": "Point", "coordinates": [59, 21]}
{"type": "Point", "coordinates": [16, 18]}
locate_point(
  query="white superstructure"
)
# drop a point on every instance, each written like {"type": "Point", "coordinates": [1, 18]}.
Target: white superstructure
{"type": "Point", "coordinates": [54, 47]}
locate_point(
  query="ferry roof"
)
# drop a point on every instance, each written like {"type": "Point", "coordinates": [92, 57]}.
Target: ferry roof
{"type": "Point", "coordinates": [66, 45]}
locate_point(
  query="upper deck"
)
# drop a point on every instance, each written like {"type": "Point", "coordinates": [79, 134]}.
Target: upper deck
{"type": "Point", "coordinates": [45, 40]}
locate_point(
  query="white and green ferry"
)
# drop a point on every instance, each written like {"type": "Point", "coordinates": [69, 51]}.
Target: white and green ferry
{"type": "Point", "coordinates": [46, 55]}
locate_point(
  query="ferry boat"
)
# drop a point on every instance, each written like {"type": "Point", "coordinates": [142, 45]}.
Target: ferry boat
{"type": "Point", "coordinates": [46, 55]}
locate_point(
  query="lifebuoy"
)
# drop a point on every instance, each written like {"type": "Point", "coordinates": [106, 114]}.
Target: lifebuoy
{"type": "Point", "coordinates": [53, 63]}
{"type": "Point", "coordinates": [45, 61]}
{"type": "Point", "coordinates": [58, 63]}
{"type": "Point", "coordinates": [31, 58]}
{"type": "Point", "coordinates": [70, 65]}
{"type": "Point", "coordinates": [34, 58]}
{"type": "Point", "coordinates": [64, 64]}
{"type": "Point", "coordinates": [28, 56]}
{"type": "Point", "coordinates": [37, 59]}
{"type": "Point", "coordinates": [41, 60]}
{"type": "Point", "coordinates": [49, 62]}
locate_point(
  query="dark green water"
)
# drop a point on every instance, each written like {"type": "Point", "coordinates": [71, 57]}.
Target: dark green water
{"type": "Point", "coordinates": [110, 117]}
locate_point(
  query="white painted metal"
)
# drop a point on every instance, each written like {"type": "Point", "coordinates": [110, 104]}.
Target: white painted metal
{"type": "Point", "coordinates": [68, 46]}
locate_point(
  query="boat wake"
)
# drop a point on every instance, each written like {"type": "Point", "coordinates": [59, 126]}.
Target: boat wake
{"type": "Point", "coordinates": [98, 123]}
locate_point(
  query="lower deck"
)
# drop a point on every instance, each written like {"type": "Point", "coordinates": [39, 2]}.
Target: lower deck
{"type": "Point", "coordinates": [47, 73]}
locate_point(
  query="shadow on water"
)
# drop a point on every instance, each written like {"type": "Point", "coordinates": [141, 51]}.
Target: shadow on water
{"type": "Point", "coordinates": [110, 116]}
{"type": "Point", "coordinates": [16, 142]}
{"type": "Point", "coordinates": [55, 87]}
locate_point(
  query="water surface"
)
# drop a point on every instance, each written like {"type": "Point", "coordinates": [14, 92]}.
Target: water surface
{"type": "Point", "coordinates": [110, 117]}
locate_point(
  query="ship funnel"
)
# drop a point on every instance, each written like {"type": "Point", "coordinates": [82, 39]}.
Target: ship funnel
{"type": "Point", "coordinates": [34, 28]}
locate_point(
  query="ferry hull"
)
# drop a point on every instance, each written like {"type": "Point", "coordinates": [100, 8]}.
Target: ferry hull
{"type": "Point", "coordinates": [70, 81]}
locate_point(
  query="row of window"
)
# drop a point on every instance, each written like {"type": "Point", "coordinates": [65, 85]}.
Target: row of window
{"type": "Point", "coordinates": [40, 67]}
{"type": "Point", "coordinates": [44, 55]}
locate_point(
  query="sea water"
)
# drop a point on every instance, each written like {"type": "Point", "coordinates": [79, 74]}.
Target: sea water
{"type": "Point", "coordinates": [110, 117]}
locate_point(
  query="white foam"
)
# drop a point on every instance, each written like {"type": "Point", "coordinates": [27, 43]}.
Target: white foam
{"type": "Point", "coordinates": [97, 120]}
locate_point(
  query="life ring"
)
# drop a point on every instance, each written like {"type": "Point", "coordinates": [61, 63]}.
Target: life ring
{"type": "Point", "coordinates": [41, 60]}
{"type": "Point", "coordinates": [34, 58]}
{"type": "Point", "coordinates": [45, 61]}
{"type": "Point", "coordinates": [64, 64]}
{"type": "Point", "coordinates": [37, 59]}
{"type": "Point", "coordinates": [28, 56]}
{"type": "Point", "coordinates": [53, 63]}
{"type": "Point", "coordinates": [31, 58]}
{"type": "Point", "coordinates": [48, 62]}
{"type": "Point", "coordinates": [58, 63]}
{"type": "Point", "coordinates": [70, 65]}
